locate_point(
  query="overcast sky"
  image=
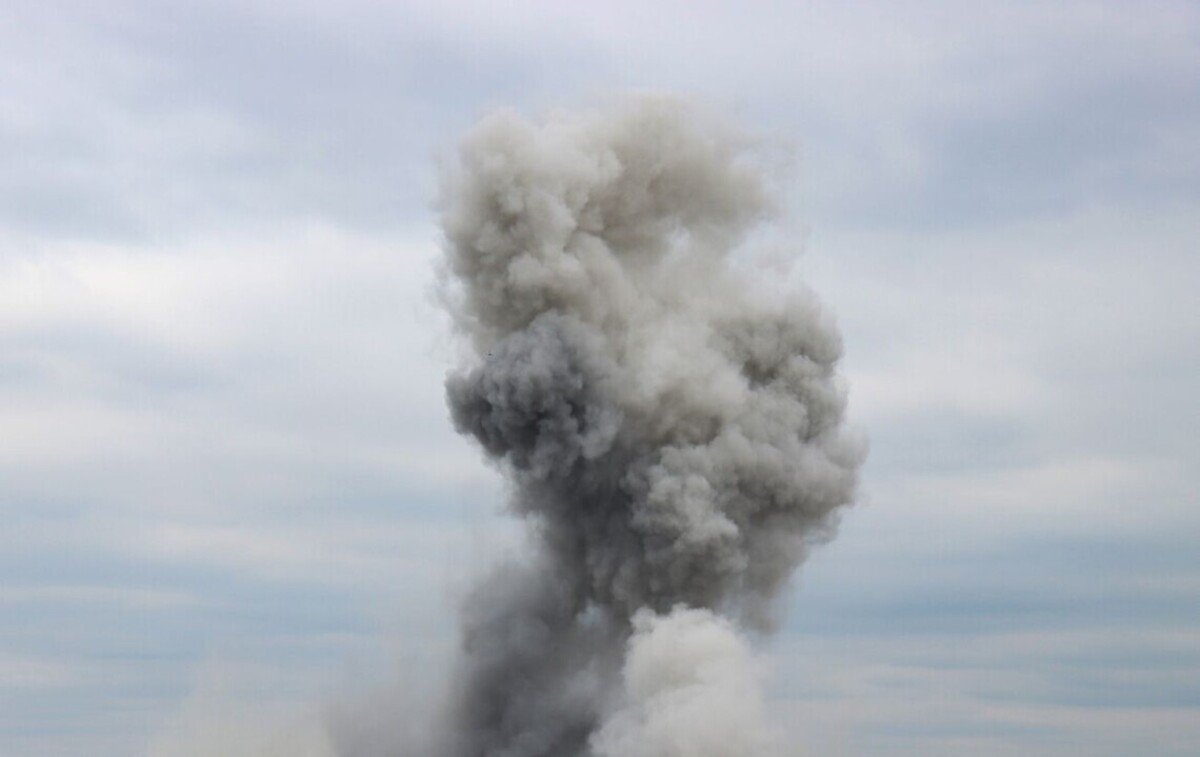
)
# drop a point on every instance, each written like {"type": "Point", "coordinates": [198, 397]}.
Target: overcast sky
{"type": "Point", "coordinates": [229, 486]}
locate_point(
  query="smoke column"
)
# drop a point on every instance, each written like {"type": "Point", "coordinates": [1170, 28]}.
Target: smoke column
{"type": "Point", "coordinates": [670, 425]}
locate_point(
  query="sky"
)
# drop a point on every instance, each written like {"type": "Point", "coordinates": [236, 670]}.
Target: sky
{"type": "Point", "coordinates": [230, 489]}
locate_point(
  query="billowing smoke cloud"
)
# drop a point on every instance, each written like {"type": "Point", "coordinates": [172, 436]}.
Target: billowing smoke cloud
{"type": "Point", "coordinates": [671, 426]}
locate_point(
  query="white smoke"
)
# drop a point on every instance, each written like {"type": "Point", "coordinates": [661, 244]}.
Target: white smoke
{"type": "Point", "coordinates": [691, 689]}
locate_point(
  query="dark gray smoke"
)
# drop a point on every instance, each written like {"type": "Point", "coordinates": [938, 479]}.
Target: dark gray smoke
{"type": "Point", "coordinates": [671, 425]}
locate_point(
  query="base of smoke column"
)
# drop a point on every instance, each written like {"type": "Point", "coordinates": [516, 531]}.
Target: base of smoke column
{"type": "Point", "coordinates": [691, 686]}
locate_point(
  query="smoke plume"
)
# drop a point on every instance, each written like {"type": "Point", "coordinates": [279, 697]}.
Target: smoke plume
{"type": "Point", "coordinates": [671, 427]}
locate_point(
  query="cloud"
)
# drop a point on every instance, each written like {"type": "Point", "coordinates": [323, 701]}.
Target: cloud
{"type": "Point", "coordinates": [1096, 691]}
